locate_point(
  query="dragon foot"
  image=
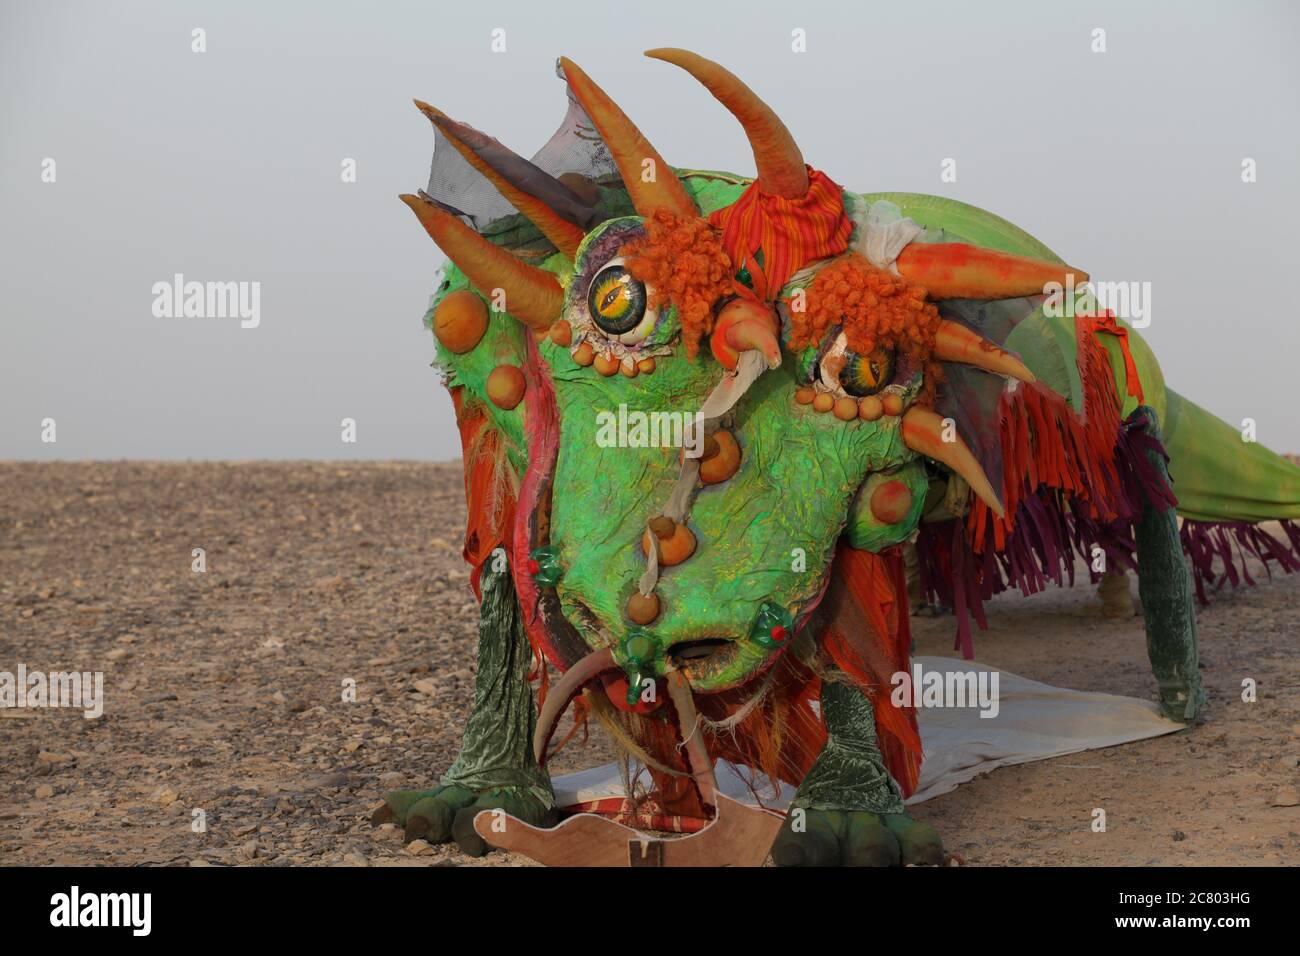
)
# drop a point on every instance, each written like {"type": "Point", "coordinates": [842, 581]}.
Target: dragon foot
{"type": "Point", "coordinates": [447, 813]}
{"type": "Point", "coordinates": [855, 838]}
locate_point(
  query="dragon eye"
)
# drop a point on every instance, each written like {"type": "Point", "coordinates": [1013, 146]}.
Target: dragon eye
{"type": "Point", "coordinates": [864, 375]}
{"type": "Point", "coordinates": [616, 301]}
{"type": "Point", "coordinates": [854, 373]}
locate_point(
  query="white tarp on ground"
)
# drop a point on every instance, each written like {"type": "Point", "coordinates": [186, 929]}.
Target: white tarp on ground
{"type": "Point", "coordinates": [1034, 722]}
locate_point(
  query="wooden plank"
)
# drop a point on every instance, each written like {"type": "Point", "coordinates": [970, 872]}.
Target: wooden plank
{"type": "Point", "coordinates": [739, 835]}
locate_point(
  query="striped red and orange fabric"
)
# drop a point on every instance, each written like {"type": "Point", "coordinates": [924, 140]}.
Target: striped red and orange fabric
{"type": "Point", "coordinates": [788, 233]}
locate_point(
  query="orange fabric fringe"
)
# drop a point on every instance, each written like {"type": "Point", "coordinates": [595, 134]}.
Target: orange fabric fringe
{"type": "Point", "coordinates": [1046, 444]}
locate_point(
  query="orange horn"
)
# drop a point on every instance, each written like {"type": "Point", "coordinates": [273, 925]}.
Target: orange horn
{"type": "Point", "coordinates": [563, 234]}
{"type": "Point", "coordinates": [743, 325]}
{"type": "Point", "coordinates": [954, 270]}
{"type": "Point", "coordinates": [781, 169]}
{"type": "Point", "coordinates": [532, 295]}
{"type": "Point", "coordinates": [955, 342]}
{"type": "Point", "coordinates": [923, 432]}
{"type": "Point", "coordinates": [629, 149]}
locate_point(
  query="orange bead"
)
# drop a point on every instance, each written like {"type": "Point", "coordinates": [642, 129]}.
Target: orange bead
{"type": "Point", "coordinates": [584, 354]}
{"type": "Point", "coordinates": [804, 396]}
{"type": "Point", "coordinates": [892, 403]}
{"type": "Point", "coordinates": [505, 386]}
{"type": "Point", "coordinates": [724, 462]}
{"type": "Point", "coordinates": [562, 333]}
{"type": "Point", "coordinates": [674, 548]}
{"type": "Point", "coordinates": [642, 608]}
{"type": "Point", "coordinates": [870, 408]}
{"type": "Point", "coordinates": [846, 409]}
{"type": "Point", "coordinates": [606, 364]}
{"type": "Point", "coordinates": [646, 366]}
{"type": "Point", "coordinates": [628, 368]}
{"type": "Point", "coordinates": [460, 320]}
{"type": "Point", "coordinates": [823, 402]}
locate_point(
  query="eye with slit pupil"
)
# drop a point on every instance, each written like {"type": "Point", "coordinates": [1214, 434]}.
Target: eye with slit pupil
{"type": "Point", "coordinates": [864, 375]}
{"type": "Point", "coordinates": [616, 301]}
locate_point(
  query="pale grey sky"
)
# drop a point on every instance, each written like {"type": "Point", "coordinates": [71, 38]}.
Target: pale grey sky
{"type": "Point", "coordinates": [225, 165]}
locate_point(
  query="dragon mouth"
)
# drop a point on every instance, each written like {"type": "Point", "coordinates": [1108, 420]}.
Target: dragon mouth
{"type": "Point", "coordinates": [697, 650]}
{"type": "Point", "coordinates": [702, 658]}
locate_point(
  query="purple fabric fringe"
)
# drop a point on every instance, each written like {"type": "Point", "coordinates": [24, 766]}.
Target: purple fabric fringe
{"type": "Point", "coordinates": [1205, 541]}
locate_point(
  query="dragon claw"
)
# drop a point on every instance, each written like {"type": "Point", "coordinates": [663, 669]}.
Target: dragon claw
{"type": "Point", "coordinates": [856, 838]}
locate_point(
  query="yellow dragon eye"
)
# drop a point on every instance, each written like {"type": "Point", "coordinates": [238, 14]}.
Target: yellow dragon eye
{"type": "Point", "coordinates": [616, 300]}
{"type": "Point", "coordinates": [864, 375]}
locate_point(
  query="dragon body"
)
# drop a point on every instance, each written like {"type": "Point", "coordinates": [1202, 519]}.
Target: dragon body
{"type": "Point", "coordinates": [701, 415]}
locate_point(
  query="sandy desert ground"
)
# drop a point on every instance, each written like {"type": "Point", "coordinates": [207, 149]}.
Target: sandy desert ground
{"type": "Point", "coordinates": [223, 689]}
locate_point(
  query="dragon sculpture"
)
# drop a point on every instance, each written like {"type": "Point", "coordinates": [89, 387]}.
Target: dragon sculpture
{"type": "Point", "coordinates": [702, 413]}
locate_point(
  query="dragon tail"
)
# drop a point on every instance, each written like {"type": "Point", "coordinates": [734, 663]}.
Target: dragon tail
{"type": "Point", "coordinates": [1227, 485]}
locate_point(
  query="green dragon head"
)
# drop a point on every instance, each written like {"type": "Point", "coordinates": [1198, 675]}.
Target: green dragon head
{"type": "Point", "coordinates": [699, 387]}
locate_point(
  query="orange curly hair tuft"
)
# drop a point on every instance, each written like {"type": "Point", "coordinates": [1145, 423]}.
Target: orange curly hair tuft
{"type": "Point", "coordinates": [876, 309]}
{"type": "Point", "coordinates": [681, 261]}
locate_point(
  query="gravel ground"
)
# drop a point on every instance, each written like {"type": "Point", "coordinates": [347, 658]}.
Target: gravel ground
{"type": "Point", "coordinates": [225, 738]}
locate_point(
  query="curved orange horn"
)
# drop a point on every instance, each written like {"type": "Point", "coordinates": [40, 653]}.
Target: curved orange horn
{"type": "Point", "coordinates": [923, 432]}
{"type": "Point", "coordinates": [955, 270]}
{"type": "Point", "coordinates": [955, 342]}
{"type": "Point", "coordinates": [781, 169]}
{"type": "Point", "coordinates": [629, 149]}
{"type": "Point", "coordinates": [563, 234]}
{"type": "Point", "coordinates": [532, 295]}
{"type": "Point", "coordinates": [743, 325]}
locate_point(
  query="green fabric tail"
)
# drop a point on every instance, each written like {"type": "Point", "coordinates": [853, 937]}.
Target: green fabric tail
{"type": "Point", "coordinates": [1218, 476]}
{"type": "Point", "coordinates": [497, 747]}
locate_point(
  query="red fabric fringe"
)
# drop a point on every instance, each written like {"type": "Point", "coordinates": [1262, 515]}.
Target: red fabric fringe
{"type": "Point", "coordinates": [486, 528]}
{"type": "Point", "coordinates": [869, 588]}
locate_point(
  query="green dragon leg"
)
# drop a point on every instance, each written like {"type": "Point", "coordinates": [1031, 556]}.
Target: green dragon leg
{"type": "Point", "coordinates": [495, 768]}
{"type": "Point", "coordinates": [1165, 589]}
{"type": "Point", "coordinates": [848, 810]}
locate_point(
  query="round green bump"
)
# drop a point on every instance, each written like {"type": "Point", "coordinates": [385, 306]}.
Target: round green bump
{"type": "Point", "coordinates": [639, 648]}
